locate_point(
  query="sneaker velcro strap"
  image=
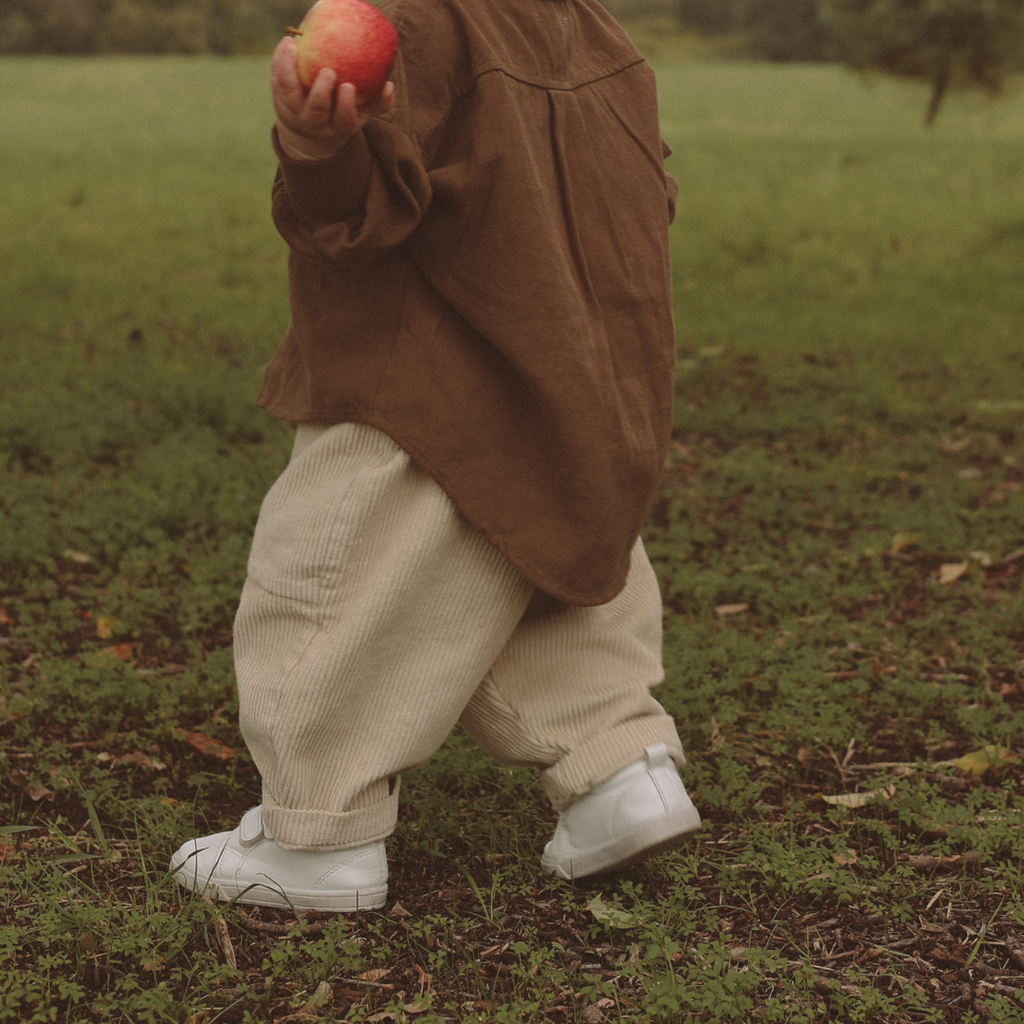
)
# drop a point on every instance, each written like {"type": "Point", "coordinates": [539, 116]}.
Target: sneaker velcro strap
{"type": "Point", "coordinates": [251, 827]}
{"type": "Point", "coordinates": [657, 757]}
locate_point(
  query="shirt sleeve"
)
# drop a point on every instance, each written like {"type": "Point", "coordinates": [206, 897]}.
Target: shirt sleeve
{"type": "Point", "coordinates": [368, 198]}
{"type": "Point", "coordinates": [359, 204]}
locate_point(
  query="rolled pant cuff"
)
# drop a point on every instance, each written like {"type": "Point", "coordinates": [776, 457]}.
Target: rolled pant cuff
{"type": "Point", "coordinates": [324, 831]}
{"type": "Point", "coordinates": [600, 758]}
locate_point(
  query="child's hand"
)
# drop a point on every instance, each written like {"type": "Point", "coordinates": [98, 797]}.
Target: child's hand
{"type": "Point", "coordinates": [315, 125]}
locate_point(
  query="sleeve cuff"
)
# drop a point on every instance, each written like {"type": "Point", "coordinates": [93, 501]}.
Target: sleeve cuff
{"type": "Point", "coordinates": [330, 190]}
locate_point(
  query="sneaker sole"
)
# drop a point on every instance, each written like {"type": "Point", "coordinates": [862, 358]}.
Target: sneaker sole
{"type": "Point", "coordinates": [347, 902]}
{"type": "Point", "coordinates": [655, 837]}
{"type": "Point", "coordinates": [257, 894]}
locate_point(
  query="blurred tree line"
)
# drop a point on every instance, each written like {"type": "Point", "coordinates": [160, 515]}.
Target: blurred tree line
{"type": "Point", "coordinates": [771, 29]}
{"type": "Point", "coordinates": [146, 26]}
{"type": "Point", "coordinates": [950, 44]}
{"type": "Point", "coordinates": [775, 29]}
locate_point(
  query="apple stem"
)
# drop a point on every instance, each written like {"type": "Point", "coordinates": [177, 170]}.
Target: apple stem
{"type": "Point", "coordinates": [293, 31]}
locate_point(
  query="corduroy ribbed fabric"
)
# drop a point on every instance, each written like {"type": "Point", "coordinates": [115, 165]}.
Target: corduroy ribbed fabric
{"type": "Point", "coordinates": [374, 618]}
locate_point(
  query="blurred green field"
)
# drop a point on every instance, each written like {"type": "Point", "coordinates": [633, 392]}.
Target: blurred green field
{"type": "Point", "coordinates": [135, 193]}
{"type": "Point", "coordinates": [818, 213]}
{"type": "Point", "coordinates": [840, 541]}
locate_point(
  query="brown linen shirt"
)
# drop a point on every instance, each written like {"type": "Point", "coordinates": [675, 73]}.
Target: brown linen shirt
{"type": "Point", "coordinates": [483, 274]}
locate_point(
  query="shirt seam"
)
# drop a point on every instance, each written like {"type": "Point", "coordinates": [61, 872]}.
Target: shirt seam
{"type": "Point", "coordinates": [548, 84]}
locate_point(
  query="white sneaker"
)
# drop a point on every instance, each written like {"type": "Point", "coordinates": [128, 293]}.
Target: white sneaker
{"type": "Point", "coordinates": [249, 866]}
{"type": "Point", "coordinates": [639, 811]}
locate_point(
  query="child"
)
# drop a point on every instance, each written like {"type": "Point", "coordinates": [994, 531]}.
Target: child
{"type": "Point", "coordinates": [480, 366]}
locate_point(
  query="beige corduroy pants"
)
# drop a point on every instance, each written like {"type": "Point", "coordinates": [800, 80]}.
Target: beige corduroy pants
{"type": "Point", "coordinates": [374, 618]}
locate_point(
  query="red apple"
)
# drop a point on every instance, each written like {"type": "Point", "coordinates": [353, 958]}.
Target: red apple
{"type": "Point", "coordinates": [353, 39]}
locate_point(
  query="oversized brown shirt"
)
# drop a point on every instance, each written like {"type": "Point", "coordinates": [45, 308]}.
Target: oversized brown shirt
{"type": "Point", "coordinates": [483, 274]}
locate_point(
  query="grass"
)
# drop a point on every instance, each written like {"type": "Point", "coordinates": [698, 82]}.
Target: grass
{"type": "Point", "coordinates": [849, 414]}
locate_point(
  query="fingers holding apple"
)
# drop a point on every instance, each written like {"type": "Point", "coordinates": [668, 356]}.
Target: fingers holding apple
{"type": "Point", "coordinates": [315, 123]}
{"type": "Point", "coordinates": [288, 92]}
{"type": "Point", "coordinates": [381, 103]}
{"type": "Point", "coordinates": [331, 75]}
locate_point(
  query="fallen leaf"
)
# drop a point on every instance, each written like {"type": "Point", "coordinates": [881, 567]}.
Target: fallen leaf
{"type": "Point", "coordinates": [6, 618]}
{"type": "Point", "coordinates": [36, 791]}
{"type": "Point", "coordinates": [206, 744]}
{"type": "Point", "coordinates": [105, 626]}
{"type": "Point", "coordinates": [375, 975]}
{"type": "Point", "coordinates": [80, 557]}
{"type": "Point", "coordinates": [849, 799]}
{"type": "Point", "coordinates": [950, 572]}
{"type": "Point", "coordinates": [223, 937]}
{"type": "Point", "coordinates": [927, 862]}
{"type": "Point", "coordinates": [725, 610]}
{"type": "Point", "coordinates": [350, 995]}
{"type": "Point", "coordinates": [859, 799]}
{"type": "Point", "coordinates": [717, 739]}
{"type": "Point", "coordinates": [611, 917]}
{"type": "Point", "coordinates": [844, 860]}
{"type": "Point", "coordinates": [320, 1000]}
{"type": "Point", "coordinates": [977, 762]}
{"type": "Point", "coordinates": [425, 983]}
{"type": "Point", "coordinates": [903, 540]}
{"type": "Point", "coordinates": [57, 779]}
{"type": "Point", "coordinates": [142, 760]}
{"type": "Point", "coordinates": [492, 951]}
{"type": "Point", "coordinates": [105, 655]}
{"type": "Point", "coordinates": [399, 911]}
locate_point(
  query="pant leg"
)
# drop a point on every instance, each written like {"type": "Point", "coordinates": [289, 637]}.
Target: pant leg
{"type": "Point", "coordinates": [570, 691]}
{"type": "Point", "coordinates": [370, 614]}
